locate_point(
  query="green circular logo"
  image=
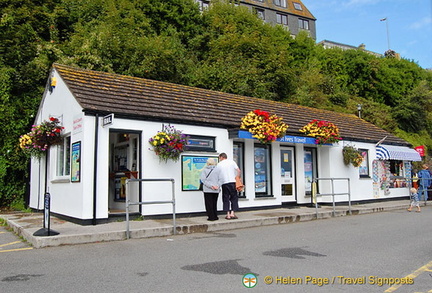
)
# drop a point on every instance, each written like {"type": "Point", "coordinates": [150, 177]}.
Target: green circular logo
{"type": "Point", "coordinates": [249, 280]}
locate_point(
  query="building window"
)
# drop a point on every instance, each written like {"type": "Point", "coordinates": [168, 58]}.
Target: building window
{"type": "Point", "coordinates": [297, 6]}
{"type": "Point", "coordinates": [63, 157]}
{"type": "Point", "coordinates": [260, 13]}
{"type": "Point", "coordinates": [203, 4]}
{"type": "Point", "coordinates": [262, 171]}
{"type": "Point", "coordinates": [364, 167]}
{"type": "Point", "coordinates": [303, 24]}
{"type": "Point", "coordinates": [310, 169]}
{"type": "Point", "coordinates": [238, 157]}
{"type": "Point", "coordinates": [282, 19]}
{"type": "Point", "coordinates": [281, 3]}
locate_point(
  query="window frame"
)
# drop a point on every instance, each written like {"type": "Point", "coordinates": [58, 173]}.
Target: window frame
{"type": "Point", "coordinates": [280, 17]}
{"type": "Point", "coordinates": [267, 172]}
{"type": "Point", "coordinates": [364, 171]}
{"type": "Point", "coordinates": [63, 158]}
{"type": "Point", "coordinates": [303, 24]}
{"type": "Point", "coordinates": [280, 3]}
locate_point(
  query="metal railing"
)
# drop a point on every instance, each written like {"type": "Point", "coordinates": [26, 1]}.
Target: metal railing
{"type": "Point", "coordinates": [315, 194]}
{"type": "Point", "coordinates": [129, 203]}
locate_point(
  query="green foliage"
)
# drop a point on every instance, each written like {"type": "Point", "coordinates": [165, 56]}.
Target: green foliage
{"type": "Point", "coordinates": [225, 48]}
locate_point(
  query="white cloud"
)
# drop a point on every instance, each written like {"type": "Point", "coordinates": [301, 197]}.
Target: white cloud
{"type": "Point", "coordinates": [425, 21]}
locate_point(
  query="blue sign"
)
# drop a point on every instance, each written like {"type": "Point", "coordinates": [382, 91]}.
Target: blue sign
{"type": "Point", "coordinates": [286, 138]}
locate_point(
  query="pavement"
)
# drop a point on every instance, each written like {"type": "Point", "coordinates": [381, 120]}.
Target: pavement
{"type": "Point", "coordinates": [27, 224]}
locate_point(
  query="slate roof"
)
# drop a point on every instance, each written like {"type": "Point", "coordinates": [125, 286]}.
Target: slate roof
{"type": "Point", "coordinates": [144, 99]}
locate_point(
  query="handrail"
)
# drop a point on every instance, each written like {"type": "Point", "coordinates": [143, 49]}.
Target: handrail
{"type": "Point", "coordinates": [314, 193]}
{"type": "Point", "coordinates": [128, 203]}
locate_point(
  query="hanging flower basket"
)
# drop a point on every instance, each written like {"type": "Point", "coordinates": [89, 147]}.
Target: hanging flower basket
{"type": "Point", "coordinates": [36, 142]}
{"type": "Point", "coordinates": [168, 144]}
{"type": "Point", "coordinates": [323, 131]}
{"type": "Point", "coordinates": [263, 126]}
{"type": "Point", "coordinates": [352, 156]}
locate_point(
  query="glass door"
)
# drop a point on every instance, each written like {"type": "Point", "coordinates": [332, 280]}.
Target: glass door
{"type": "Point", "coordinates": [287, 174]}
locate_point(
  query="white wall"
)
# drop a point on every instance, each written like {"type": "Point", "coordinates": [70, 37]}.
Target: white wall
{"type": "Point", "coordinates": [66, 197]}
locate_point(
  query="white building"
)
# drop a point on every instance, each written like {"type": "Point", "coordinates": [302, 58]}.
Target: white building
{"type": "Point", "coordinates": [84, 174]}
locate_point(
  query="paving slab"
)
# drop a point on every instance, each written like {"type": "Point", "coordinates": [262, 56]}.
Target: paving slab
{"type": "Point", "coordinates": [26, 224]}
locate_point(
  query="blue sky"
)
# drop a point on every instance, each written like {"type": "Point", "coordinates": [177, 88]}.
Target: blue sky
{"type": "Point", "coordinates": [354, 22]}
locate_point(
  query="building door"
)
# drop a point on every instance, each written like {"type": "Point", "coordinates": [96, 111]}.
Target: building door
{"type": "Point", "coordinates": [287, 174]}
{"type": "Point", "coordinates": [124, 164]}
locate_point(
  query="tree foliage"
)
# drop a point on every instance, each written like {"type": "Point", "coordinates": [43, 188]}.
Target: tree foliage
{"type": "Point", "coordinates": [225, 48]}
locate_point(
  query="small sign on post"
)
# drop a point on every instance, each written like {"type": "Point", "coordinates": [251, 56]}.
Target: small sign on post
{"type": "Point", "coordinates": [46, 230]}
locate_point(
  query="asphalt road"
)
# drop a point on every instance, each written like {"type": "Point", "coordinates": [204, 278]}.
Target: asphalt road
{"type": "Point", "coordinates": [366, 253]}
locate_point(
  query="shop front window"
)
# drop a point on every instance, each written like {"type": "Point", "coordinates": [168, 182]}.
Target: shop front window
{"type": "Point", "coordinates": [397, 174]}
{"type": "Point", "coordinates": [310, 169]}
{"type": "Point", "coordinates": [238, 157]}
{"type": "Point", "coordinates": [364, 166]}
{"type": "Point", "coordinates": [262, 170]}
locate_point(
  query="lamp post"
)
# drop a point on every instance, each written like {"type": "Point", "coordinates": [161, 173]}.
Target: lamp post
{"type": "Point", "coordinates": [388, 36]}
{"type": "Point", "coordinates": [359, 108]}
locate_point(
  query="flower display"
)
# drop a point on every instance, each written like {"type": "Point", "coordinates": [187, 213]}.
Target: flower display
{"type": "Point", "coordinates": [168, 144]}
{"type": "Point", "coordinates": [263, 126]}
{"type": "Point", "coordinates": [352, 156]}
{"type": "Point", "coordinates": [36, 142]}
{"type": "Point", "coordinates": [323, 131]}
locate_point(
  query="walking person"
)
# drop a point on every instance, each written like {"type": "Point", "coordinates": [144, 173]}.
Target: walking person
{"type": "Point", "coordinates": [227, 171]}
{"type": "Point", "coordinates": [414, 200]}
{"type": "Point", "coordinates": [424, 183]}
{"type": "Point", "coordinates": [209, 177]}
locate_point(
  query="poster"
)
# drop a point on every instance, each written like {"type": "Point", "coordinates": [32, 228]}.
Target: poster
{"type": "Point", "coordinates": [191, 171]}
{"type": "Point", "coordinates": [76, 162]}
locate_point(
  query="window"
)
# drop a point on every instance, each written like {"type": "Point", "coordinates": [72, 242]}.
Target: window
{"type": "Point", "coordinates": [262, 171]}
{"type": "Point", "coordinates": [303, 24]}
{"type": "Point", "coordinates": [364, 167]}
{"type": "Point", "coordinates": [203, 4]}
{"type": "Point", "coordinates": [282, 19]}
{"type": "Point", "coordinates": [238, 157]}
{"type": "Point", "coordinates": [260, 13]}
{"type": "Point", "coordinates": [281, 3]}
{"type": "Point", "coordinates": [63, 157]}
{"type": "Point", "coordinates": [310, 169]}
{"type": "Point", "coordinates": [297, 6]}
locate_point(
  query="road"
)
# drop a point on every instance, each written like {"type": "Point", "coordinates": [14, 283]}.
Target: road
{"type": "Point", "coordinates": [363, 253]}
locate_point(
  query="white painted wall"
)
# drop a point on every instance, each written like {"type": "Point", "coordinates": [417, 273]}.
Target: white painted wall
{"type": "Point", "coordinates": [75, 199]}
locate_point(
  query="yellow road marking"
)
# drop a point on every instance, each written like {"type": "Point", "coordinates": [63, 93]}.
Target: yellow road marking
{"type": "Point", "coordinates": [10, 243]}
{"type": "Point", "coordinates": [2, 232]}
{"type": "Point", "coordinates": [17, 249]}
{"type": "Point", "coordinates": [426, 268]}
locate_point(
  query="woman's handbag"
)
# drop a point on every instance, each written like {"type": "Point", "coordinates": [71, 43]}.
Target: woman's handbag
{"type": "Point", "coordinates": [201, 186]}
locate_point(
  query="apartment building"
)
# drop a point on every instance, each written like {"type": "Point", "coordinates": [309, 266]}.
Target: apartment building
{"type": "Point", "coordinates": [292, 14]}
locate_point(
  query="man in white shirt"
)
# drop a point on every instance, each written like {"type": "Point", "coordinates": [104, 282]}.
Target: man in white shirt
{"type": "Point", "coordinates": [228, 170]}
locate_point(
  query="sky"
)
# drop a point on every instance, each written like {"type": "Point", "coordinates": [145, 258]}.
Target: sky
{"type": "Point", "coordinates": [407, 28]}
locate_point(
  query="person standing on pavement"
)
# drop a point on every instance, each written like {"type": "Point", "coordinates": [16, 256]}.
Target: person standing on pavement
{"type": "Point", "coordinates": [414, 200]}
{"type": "Point", "coordinates": [227, 171]}
{"type": "Point", "coordinates": [424, 183]}
{"type": "Point", "coordinates": [209, 177]}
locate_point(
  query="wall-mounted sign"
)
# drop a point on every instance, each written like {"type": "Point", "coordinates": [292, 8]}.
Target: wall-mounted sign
{"type": "Point", "coordinates": [108, 119]}
{"type": "Point", "coordinates": [192, 167]}
{"type": "Point", "coordinates": [201, 143]}
{"type": "Point", "coordinates": [77, 124]}
{"type": "Point", "coordinates": [76, 162]}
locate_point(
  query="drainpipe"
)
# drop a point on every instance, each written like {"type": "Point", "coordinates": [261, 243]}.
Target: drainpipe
{"type": "Point", "coordinates": [95, 167]}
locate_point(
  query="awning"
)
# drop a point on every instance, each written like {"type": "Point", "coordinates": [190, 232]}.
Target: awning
{"type": "Point", "coordinates": [388, 152]}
